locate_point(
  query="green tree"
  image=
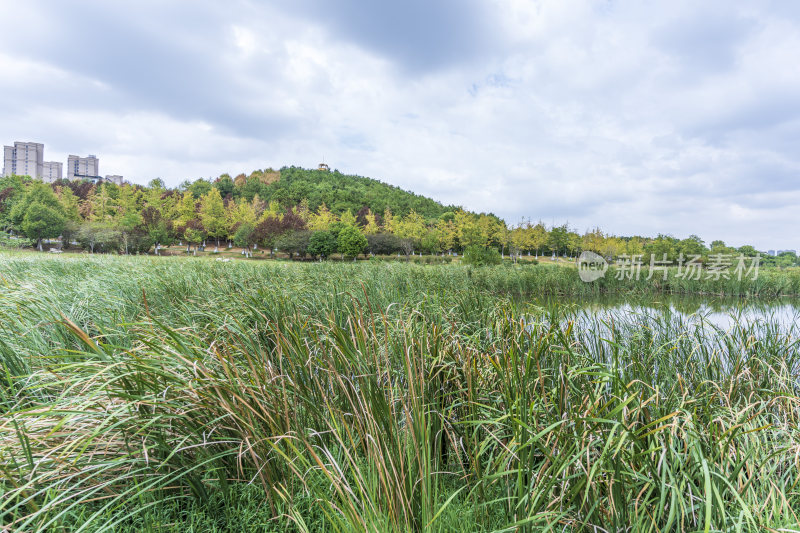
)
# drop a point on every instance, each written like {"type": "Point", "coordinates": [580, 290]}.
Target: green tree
{"type": "Point", "coordinates": [42, 222]}
{"type": "Point", "coordinates": [748, 250]}
{"type": "Point", "coordinates": [322, 244]}
{"type": "Point", "coordinates": [558, 239]}
{"type": "Point", "coordinates": [212, 215]}
{"type": "Point", "coordinates": [38, 214]}
{"type": "Point", "coordinates": [479, 256]}
{"type": "Point", "coordinates": [663, 245]}
{"type": "Point", "coordinates": [351, 242]}
{"type": "Point", "coordinates": [294, 243]}
{"type": "Point", "coordinates": [69, 203]}
{"type": "Point", "coordinates": [99, 237]}
{"type": "Point", "coordinates": [224, 185]}
{"type": "Point", "coordinates": [693, 245]}
{"type": "Point", "coordinates": [244, 237]}
{"type": "Point", "coordinates": [199, 188]}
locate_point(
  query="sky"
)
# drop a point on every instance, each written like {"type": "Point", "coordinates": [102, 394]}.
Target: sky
{"type": "Point", "coordinates": [638, 117]}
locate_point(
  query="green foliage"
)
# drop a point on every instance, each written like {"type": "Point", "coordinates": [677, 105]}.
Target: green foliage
{"type": "Point", "coordinates": [294, 243]}
{"type": "Point", "coordinates": [188, 395]}
{"type": "Point", "coordinates": [224, 185]}
{"type": "Point", "coordinates": [351, 242]}
{"type": "Point", "coordinates": [199, 188]}
{"type": "Point", "coordinates": [99, 237]}
{"type": "Point", "coordinates": [212, 214]}
{"type": "Point", "coordinates": [322, 244]}
{"type": "Point", "coordinates": [342, 192]}
{"type": "Point", "coordinates": [38, 214]}
{"type": "Point", "coordinates": [12, 189]}
{"type": "Point", "coordinates": [42, 222]}
{"type": "Point", "coordinates": [665, 246]}
{"type": "Point", "coordinates": [244, 236]}
{"type": "Point", "coordinates": [384, 244]}
{"type": "Point", "coordinates": [480, 256]}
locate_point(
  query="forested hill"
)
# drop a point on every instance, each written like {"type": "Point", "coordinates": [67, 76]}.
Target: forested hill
{"type": "Point", "coordinates": [339, 192]}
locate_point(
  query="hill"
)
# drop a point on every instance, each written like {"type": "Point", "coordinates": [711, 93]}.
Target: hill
{"type": "Point", "coordinates": [339, 192]}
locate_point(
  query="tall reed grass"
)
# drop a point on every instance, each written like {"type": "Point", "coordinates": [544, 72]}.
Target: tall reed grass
{"type": "Point", "coordinates": [184, 394]}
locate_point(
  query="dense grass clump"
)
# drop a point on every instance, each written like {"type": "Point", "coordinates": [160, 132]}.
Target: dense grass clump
{"type": "Point", "coordinates": [188, 395]}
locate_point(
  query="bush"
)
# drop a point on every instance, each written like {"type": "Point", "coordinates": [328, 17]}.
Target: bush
{"type": "Point", "coordinates": [7, 242]}
{"type": "Point", "coordinates": [383, 244]}
{"type": "Point", "coordinates": [351, 242]}
{"type": "Point", "coordinates": [137, 242]}
{"type": "Point", "coordinates": [294, 242]}
{"type": "Point", "coordinates": [479, 256]}
{"type": "Point", "coordinates": [98, 237]}
{"type": "Point", "coordinates": [321, 244]}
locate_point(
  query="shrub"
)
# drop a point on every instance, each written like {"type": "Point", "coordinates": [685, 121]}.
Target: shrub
{"type": "Point", "coordinates": [479, 256]}
{"type": "Point", "coordinates": [351, 242]}
{"type": "Point", "coordinates": [321, 244]}
{"type": "Point", "coordinates": [294, 243]}
{"type": "Point", "coordinates": [383, 244]}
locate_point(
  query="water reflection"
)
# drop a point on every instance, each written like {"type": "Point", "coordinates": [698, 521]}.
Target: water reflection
{"type": "Point", "coordinates": [691, 311]}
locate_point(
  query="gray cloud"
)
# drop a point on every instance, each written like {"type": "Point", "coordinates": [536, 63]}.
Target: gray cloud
{"type": "Point", "coordinates": [420, 36]}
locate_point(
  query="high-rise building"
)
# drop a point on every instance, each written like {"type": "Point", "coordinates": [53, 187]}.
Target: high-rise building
{"type": "Point", "coordinates": [83, 167]}
{"type": "Point", "coordinates": [24, 159]}
{"type": "Point", "coordinates": [52, 171]}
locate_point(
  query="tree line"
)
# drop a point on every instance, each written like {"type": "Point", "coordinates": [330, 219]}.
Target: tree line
{"type": "Point", "coordinates": [303, 213]}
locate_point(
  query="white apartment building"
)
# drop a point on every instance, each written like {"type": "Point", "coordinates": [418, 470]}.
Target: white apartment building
{"type": "Point", "coordinates": [24, 159]}
{"type": "Point", "coordinates": [83, 167]}
{"type": "Point", "coordinates": [52, 171]}
{"type": "Point", "coordinates": [114, 178]}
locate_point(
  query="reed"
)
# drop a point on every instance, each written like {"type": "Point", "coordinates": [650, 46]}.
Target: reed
{"type": "Point", "coordinates": [188, 394]}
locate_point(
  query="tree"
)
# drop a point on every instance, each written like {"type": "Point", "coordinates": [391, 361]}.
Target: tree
{"type": "Point", "coordinates": [558, 239]}
{"type": "Point", "coordinates": [129, 219]}
{"type": "Point", "coordinates": [348, 218]}
{"type": "Point", "coordinates": [244, 237]}
{"type": "Point", "coordinates": [186, 209]}
{"type": "Point", "coordinates": [388, 220]}
{"type": "Point", "coordinates": [38, 214]}
{"type": "Point", "coordinates": [199, 188]}
{"type": "Point", "coordinates": [661, 246]}
{"type": "Point", "coordinates": [99, 236]}
{"type": "Point", "coordinates": [447, 232]}
{"type": "Point", "coordinates": [383, 244]}
{"type": "Point", "coordinates": [224, 185]}
{"type": "Point", "coordinates": [322, 220]}
{"type": "Point", "coordinates": [212, 215]}
{"type": "Point", "coordinates": [410, 229]}
{"type": "Point", "coordinates": [537, 237]}
{"type": "Point", "coordinates": [371, 226]}
{"type": "Point", "coordinates": [518, 240]}
{"type": "Point", "coordinates": [748, 250]}
{"type": "Point", "coordinates": [12, 189]}
{"type": "Point", "coordinates": [480, 255]}
{"type": "Point", "coordinates": [193, 233]}
{"type": "Point", "coordinates": [351, 242]}
{"type": "Point", "coordinates": [69, 203]}
{"type": "Point", "coordinates": [321, 244]}
{"type": "Point", "coordinates": [42, 222]}
{"type": "Point", "coordinates": [294, 242]}
{"type": "Point", "coordinates": [467, 229]}
{"type": "Point", "coordinates": [157, 228]}
{"type": "Point", "coordinates": [691, 246]}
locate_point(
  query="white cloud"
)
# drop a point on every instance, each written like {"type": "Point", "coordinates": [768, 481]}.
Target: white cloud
{"type": "Point", "coordinates": [640, 118]}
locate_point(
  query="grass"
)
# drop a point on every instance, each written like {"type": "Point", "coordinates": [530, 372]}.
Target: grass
{"type": "Point", "coordinates": [188, 395]}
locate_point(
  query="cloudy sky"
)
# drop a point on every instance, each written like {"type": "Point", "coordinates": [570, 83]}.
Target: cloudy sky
{"type": "Point", "coordinates": [636, 116]}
